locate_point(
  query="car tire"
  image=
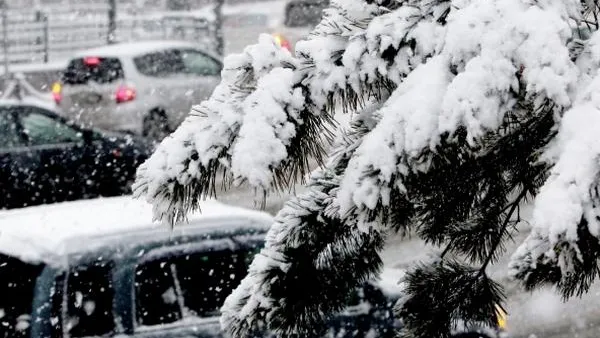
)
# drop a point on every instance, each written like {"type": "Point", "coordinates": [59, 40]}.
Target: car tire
{"type": "Point", "coordinates": [156, 125]}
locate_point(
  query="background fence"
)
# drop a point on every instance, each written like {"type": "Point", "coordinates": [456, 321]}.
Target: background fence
{"type": "Point", "coordinates": [30, 36]}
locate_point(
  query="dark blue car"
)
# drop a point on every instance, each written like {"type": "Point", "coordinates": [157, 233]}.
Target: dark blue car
{"type": "Point", "coordinates": [45, 159]}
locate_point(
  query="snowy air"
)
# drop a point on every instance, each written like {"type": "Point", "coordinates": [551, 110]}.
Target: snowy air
{"type": "Point", "coordinates": [300, 168]}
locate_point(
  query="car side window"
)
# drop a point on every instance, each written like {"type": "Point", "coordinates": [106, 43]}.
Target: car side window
{"type": "Point", "coordinates": [206, 279]}
{"type": "Point", "coordinates": [89, 301]}
{"type": "Point", "coordinates": [10, 135]}
{"type": "Point", "coordinates": [198, 63]}
{"type": "Point", "coordinates": [160, 64]}
{"type": "Point", "coordinates": [187, 286]}
{"type": "Point", "coordinates": [42, 129]}
{"type": "Point", "coordinates": [155, 295]}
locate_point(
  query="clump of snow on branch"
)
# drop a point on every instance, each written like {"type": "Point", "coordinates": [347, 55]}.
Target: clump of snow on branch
{"type": "Point", "coordinates": [326, 41]}
{"type": "Point", "coordinates": [265, 127]}
{"type": "Point", "coordinates": [408, 124]}
{"type": "Point", "coordinates": [483, 41]}
{"type": "Point", "coordinates": [490, 41]}
{"type": "Point", "coordinates": [252, 296]}
{"type": "Point", "coordinates": [570, 194]}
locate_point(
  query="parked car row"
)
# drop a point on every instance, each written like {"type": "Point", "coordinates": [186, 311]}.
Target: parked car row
{"type": "Point", "coordinates": [79, 147]}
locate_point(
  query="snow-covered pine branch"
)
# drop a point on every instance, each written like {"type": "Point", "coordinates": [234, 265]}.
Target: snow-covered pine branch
{"type": "Point", "coordinates": [564, 245]}
{"type": "Point", "coordinates": [312, 259]}
{"type": "Point", "coordinates": [459, 99]}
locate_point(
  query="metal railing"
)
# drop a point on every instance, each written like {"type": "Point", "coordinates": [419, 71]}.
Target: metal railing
{"type": "Point", "coordinates": [43, 36]}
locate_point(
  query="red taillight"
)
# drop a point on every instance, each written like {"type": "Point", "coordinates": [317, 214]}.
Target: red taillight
{"type": "Point", "coordinates": [125, 94]}
{"type": "Point", "coordinates": [57, 92]}
{"type": "Point", "coordinates": [282, 42]}
{"type": "Point", "coordinates": [91, 61]}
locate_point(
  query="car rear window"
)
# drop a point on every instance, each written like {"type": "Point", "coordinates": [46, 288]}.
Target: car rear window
{"type": "Point", "coordinates": [93, 69]}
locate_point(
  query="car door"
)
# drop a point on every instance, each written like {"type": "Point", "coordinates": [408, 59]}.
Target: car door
{"type": "Point", "coordinates": [179, 293]}
{"type": "Point", "coordinates": [58, 149]}
{"type": "Point", "coordinates": [15, 162]}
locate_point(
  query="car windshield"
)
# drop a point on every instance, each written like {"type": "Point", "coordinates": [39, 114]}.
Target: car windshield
{"type": "Point", "coordinates": [93, 69]}
{"type": "Point", "coordinates": [17, 281]}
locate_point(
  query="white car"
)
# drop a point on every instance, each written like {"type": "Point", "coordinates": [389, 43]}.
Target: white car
{"type": "Point", "coordinates": [144, 88]}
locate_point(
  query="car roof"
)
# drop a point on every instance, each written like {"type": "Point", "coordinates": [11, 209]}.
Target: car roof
{"type": "Point", "coordinates": [44, 234]}
{"type": "Point", "coordinates": [134, 48]}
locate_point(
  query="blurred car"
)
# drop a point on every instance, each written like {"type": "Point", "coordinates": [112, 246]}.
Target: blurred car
{"type": "Point", "coordinates": [45, 159]}
{"type": "Point", "coordinates": [304, 13]}
{"type": "Point", "coordinates": [20, 89]}
{"type": "Point", "coordinates": [145, 88]}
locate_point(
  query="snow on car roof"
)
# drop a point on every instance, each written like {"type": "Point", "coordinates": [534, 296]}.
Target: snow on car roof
{"type": "Point", "coordinates": [133, 48]}
{"type": "Point", "coordinates": [32, 233]}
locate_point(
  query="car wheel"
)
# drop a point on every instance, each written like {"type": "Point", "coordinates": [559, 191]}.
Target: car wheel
{"type": "Point", "coordinates": [156, 125]}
